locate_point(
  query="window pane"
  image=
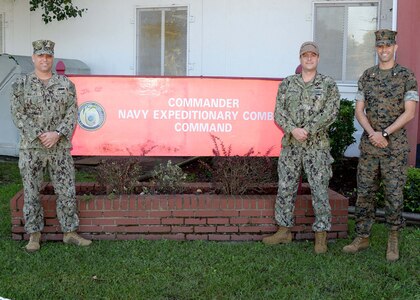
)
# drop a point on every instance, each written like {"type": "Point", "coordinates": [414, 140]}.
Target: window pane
{"type": "Point", "coordinates": [329, 34]}
{"type": "Point", "coordinates": [344, 32]}
{"type": "Point", "coordinates": [150, 43]}
{"type": "Point", "coordinates": [175, 42]}
{"type": "Point", "coordinates": [361, 40]}
{"type": "Point", "coordinates": [162, 41]}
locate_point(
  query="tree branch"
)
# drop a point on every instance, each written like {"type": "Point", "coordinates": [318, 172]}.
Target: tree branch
{"type": "Point", "coordinates": [56, 9]}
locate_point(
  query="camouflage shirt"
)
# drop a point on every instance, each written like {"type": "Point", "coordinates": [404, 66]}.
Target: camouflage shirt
{"type": "Point", "coordinates": [384, 93]}
{"type": "Point", "coordinates": [313, 106]}
{"type": "Point", "coordinates": [37, 108]}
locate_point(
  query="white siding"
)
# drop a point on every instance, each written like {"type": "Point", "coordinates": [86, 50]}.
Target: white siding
{"type": "Point", "coordinates": [251, 38]}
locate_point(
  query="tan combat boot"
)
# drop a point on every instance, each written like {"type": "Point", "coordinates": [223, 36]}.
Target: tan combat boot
{"type": "Point", "coordinates": [359, 244]}
{"type": "Point", "coordinates": [34, 242]}
{"type": "Point", "coordinates": [392, 252]}
{"type": "Point", "coordinates": [282, 236]}
{"type": "Point", "coordinates": [321, 242]}
{"type": "Point", "coordinates": [75, 239]}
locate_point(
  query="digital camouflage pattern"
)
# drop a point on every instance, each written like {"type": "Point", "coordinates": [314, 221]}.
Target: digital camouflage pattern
{"type": "Point", "coordinates": [384, 93]}
{"type": "Point", "coordinates": [43, 47]}
{"type": "Point", "coordinates": [393, 170]}
{"type": "Point", "coordinates": [313, 106]}
{"type": "Point", "coordinates": [385, 37]}
{"type": "Point", "coordinates": [37, 108]}
{"type": "Point", "coordinates": [317, 165]}
{"type": "Point", "coordinates": [59, 163]}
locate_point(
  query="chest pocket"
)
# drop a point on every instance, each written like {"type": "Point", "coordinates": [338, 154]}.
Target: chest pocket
{"type": "Point", "coordinates": [318, 99]}
{"type": "Point", "coordinates": [292, 98]}
{"type": "Point", "coordinates": [33, 103]}
{"type": "Point", "coordinates": [292, 92]}
{"type": "Point", "coordinates": [60, 93]}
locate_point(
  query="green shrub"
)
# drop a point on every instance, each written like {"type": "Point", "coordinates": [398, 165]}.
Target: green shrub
{"type": "Point", "coordinates": [412, 191]}
{"type": "Point", "coordinates": [169, 178]}
{"type": "Point", "coordinates": [341, 131]}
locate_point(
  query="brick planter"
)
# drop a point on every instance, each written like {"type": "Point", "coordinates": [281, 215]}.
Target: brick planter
{"type": "Point", "coordinates": [180, 217]}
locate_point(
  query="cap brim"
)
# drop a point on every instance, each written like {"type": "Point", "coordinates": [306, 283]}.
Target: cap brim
{"type": "Point", "coordinates": [41, 52]}
{"type": "Point", "coordinates": [385, 43]}
{"type": "Point", "coordinates": [306, 51]}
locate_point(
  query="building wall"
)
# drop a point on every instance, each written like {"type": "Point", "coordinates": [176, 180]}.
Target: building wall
{"type": "Point", "coordinates": [408, 55]}
{"type": "Point", "coordinates": [226, 38]}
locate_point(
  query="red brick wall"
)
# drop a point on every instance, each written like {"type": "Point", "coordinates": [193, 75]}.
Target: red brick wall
{"type": "Point", "coordinates": [181, 217]}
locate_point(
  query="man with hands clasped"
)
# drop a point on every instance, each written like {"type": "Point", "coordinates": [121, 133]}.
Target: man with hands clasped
{"type": "Point", "coordinates": [44, 109]}
{"type": "Point", "coordinates": [306, 105]}
{"type": "Point", "coordinates": [385, 102]}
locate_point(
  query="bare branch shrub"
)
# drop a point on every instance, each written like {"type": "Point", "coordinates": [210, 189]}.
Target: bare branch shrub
{"type": "Point", "coordinates": [236, 175]}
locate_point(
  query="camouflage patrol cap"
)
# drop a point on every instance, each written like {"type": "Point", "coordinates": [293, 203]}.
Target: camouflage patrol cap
{"type": "Point", "coordinates": [385, 37]}
{"type": "Point", "coordinates": [43, 47]}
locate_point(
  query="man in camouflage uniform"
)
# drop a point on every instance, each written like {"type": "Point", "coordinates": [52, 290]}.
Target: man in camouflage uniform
{"type": "Point", "coordinates": [307, 104]}
{"type": "Point", "coordinates": [385, 103]}
{"type": "Point", "coordinates": [44, 109]}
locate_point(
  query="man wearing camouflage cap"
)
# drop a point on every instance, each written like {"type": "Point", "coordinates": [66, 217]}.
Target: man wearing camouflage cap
{"type": "Point", "coordinates": [385, 102]}
{"type": "Point", "coordinates": [44, 109]}
{"type": "Point", "coordinates": [307, 104]}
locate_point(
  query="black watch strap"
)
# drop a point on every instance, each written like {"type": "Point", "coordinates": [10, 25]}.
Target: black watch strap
{"type": "Point", "coordinates": [385, 133]}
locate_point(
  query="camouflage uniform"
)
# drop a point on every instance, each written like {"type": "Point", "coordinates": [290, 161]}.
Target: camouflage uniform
{"type": "Point", "coordinates": [384, 93]}
{"type": "Point", "coordinates": [37, 108]}
{"type": "Point", "coordinates": [314, 107]}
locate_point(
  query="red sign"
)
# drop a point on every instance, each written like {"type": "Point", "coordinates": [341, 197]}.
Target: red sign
{"type": "Point", "coordinates": [125, 116]}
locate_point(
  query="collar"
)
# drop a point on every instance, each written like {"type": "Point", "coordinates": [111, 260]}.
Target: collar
{"type": "Point", "coordinates": [394, 70]}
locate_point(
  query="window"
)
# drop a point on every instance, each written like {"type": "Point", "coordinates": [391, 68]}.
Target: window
{"type": "Point", "coordinates": [1, 33]}
{"type": "Point", "coordinates": [162, 41]}
{"type": "Point", "coordinates": [345, 34]}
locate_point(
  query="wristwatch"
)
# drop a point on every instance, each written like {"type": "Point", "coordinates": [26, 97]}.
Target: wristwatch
{"type": "Point", "coordinates": [384, 133]}
{"type": "Point", "coordinates": [58, 133]}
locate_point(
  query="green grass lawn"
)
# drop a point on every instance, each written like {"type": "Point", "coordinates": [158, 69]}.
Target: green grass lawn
{"type": "Point", "coordinates": [201, 270]}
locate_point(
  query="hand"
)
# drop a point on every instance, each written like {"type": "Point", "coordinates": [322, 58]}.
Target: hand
{"type": "Point", "coordinates": [49, 139]}
{"type": "Point", "coordinates": [300, 134]}
{"type": "Point", "coordinates": [378, 140]}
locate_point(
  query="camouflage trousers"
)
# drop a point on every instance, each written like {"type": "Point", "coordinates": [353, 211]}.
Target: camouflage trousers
{"type": "Point", "coordinates": [317, 166]}
{"type": "Point", "coordinates": [32, 163]}
{"type": "Point", "coordinates": [393, 172]}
